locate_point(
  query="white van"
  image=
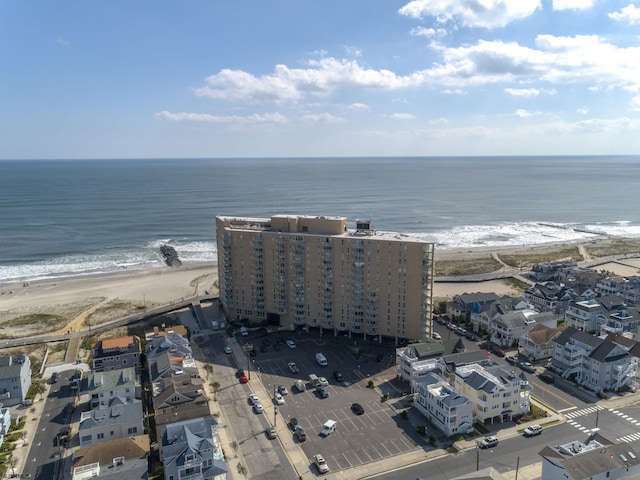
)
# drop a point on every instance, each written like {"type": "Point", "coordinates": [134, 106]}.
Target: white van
{"type": "Point", "coordinates": [321, 359]}
{"type": "Point", "coordinates": [328, 428]}
{"type": "Point", "coordinates": [315, 381]}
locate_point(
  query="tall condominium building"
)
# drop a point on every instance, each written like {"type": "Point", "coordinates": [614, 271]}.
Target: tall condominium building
{"type": "Point", "coordinates": [312, 271]}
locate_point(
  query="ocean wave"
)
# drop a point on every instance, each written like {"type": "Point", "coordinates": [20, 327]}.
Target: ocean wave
{"type": "Point", "coordinates": [147, 256]}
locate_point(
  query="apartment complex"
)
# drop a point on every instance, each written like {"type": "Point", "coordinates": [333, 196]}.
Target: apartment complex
{"type": "Point", "coordinates": [312, 271]}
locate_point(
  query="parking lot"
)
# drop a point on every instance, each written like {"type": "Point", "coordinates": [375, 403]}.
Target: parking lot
{"type": "Point", "coordinates": [377, 434]}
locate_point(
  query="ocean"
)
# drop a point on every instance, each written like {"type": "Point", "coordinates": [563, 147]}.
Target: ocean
{"type": "Point", "coordinates": [62, 218]}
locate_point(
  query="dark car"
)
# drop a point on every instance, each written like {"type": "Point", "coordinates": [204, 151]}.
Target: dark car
{"type": "Point", "coordinates": [337, 375]}
{"type": "Point", "coordinates": [239, 373]}
{"type": "Point", "coordinates": [512, 359]}
{"type": "Point", "coordinates": [547, 377]}
{"type": "Point", "coordinates": [253, 353]}
{"type": "Point", "coordinates": [471, 336]}
{"type": "Point", "coordinates": [293, 423]}
{"type": "Point", "coordinates": [357, 409]}
{"type": "Point", "coordinates": [300, 433]}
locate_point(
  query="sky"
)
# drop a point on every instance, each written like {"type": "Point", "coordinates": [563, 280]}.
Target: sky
{"type": "Point", "coordinates": [284, 78]}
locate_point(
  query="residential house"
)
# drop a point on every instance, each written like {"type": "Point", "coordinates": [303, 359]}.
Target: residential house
{"type": "Point", "coordinates": [5, 422]}
{"type": "Point", "coordinates": [191, 450]}
{"type": "Point", "coordinates": [506, 329]}
{"type": "Point", "coordinates": [178, 398]}
{"type": "Point", "coordinates": [594, 459]}
{"type": "Point", "coordinates": [595, 363]}
{"type": "Point", "coordinates": [438, 401]}
{"type": "Point", "coordinates": [117, 420]}
{"type": "Point", "coordinates": [545, 272]}
{"type": "Point", "coordinates": [612, 302]}
{"type": "Point", "coordinates": [173, 344]}
{"type": "Point", "coordinates": [416, 359]}
{"type": "Point", "coordinates": [548, 298]}
{"type": "Point", "coordinates": [103, 386]}
{"type": "Point", "coordinates": [468, 303]}
{"type": "Point", "coordinates": [482, 320]}
{"type": "Point", "coordinates": [610, 285]}
{"type": "Point", "coordinates": [537, 343]}
{"type": "Point", "coordinates": [581, 276]}
{"type": "Point", "coordinates": [630, 291]}
{"type": "Point", "coordinates": [631, 346]}
{"type": "Point", "coordinates": [117, 353]}
{"type": "Point", "coordinates": [623, 321]}
{"type": "Point", "coordinates": [583, 315]}
{"type": "Point", "coordinates": [163, 331]}
{"type": "Point", "coordinates": [15, 379]}
{"type": "Point", "coordinates": [496, 392]}
{"type": "Point", "coordinates": [113, 460]}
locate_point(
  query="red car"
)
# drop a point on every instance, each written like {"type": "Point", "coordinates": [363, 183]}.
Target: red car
{"type": "Point", "coordinates": [243, 379]}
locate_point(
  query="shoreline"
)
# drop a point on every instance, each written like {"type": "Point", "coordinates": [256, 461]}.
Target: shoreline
{"type": "Point", "coordinates": [112, 293]}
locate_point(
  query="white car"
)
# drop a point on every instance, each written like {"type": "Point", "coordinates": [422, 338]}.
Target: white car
{"type": "Point", "coordinates": [278, 399]}
{"type": "Point", "coordinates": [253, 399]}
{"type": "Point", "coordinates": [258, 407]}
{"type": "Point", "coordinates": [291, 344]}
{"type": "Point", "coordinates": [321, 464]}
{"type": "Point", "coordinates": [436, 336]}
{"type": "Point", "coordinates": [227, 350]}
{"type": "Point", "coordinates": [282, 390]}
{"type": "Point", "coordinates": [532, 431]}
{"type": "Point", "coordinates": [293, 367]}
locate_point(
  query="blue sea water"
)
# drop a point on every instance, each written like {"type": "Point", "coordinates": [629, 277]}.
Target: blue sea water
{"type": "Point", "coordinates": [61, 218]}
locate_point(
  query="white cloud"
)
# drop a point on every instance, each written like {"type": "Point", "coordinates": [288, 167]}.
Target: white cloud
{"type": "Point", "coordinates": [291, 84]}
{"type": "Point", "coordinates": [358, 106]}
{"type": "Point", "coordinates": [206, 117]}
{"type": "Point", "coordinates": [629, 14]}
{"type": "Point", "coordinates": [439, 121]}
{"type": "Point", "coordinates": [353, 52]}
{"type": "Point", "coordinates": [529, 92]}
{"type": "Point", "coordinates": [583, 111]}
{"type": "Point", "coordinates": [635, 102]}
{"type": "Point", "coordinates": [63, 41]}
{"type": "Point", "coordinates": [322, 118]}
{"type": "Point", "coordinates": [401, 116]}
{"type": "Point", "coordinates": [526, 113]}
{"type": "Point", "coordinates": [573, 4]}
{"type": "Point", "coordinates": [428, 32]}
{"type": "Point", "coordinates": [455, 91]}
{"type": "Point", "coordinates": [472, 13]}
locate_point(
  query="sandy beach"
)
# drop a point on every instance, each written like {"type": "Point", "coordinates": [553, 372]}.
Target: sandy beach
{"type": "Point", "coordinates": [50, 306]}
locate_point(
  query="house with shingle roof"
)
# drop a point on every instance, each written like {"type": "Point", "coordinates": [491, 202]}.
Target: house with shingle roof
{"type": "Point", "coordinates": [118, 419]}
{"type": "Point", "coordinates": [179, 397]}
{"type": "Point", "coordinates": [496, 392]}
{"type": "Point", "coordinates": [548, 298]}
{"type": "Point", "coordinates": [537, 343]}
{"type": "Point", "coordinates": [191, 449]}
{"type": "Point", "coordinates": [595, 363]}
{"type": "Point", "coordinates": [103, 386]}
{"type": "Point", "coordinates": [481, 320]}
{"type": "Point", "coordinates": [116, 353]}
{"type": "Point", "coordinates": [467, 303]}
{"type": "Point", "coordinates": [583, 315]}
{"type": "Point", "coordinates": [447, 409]}
{"type": "Point", "coordinates": [594, 458]}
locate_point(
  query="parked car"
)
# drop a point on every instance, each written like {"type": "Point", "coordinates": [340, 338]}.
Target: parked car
{"type": "Point", "coordinates": [290, 343]}
{"type": "Point", "coordinates": [239, 373]}
{"type": "Point", "coordinates": [271, 433]}
{"type": "Point", "coordinates": [512, 359]}
{"type": "Point", "coordinates": [527, 367]}
{"type": "Point", "coordinates": [258, 407]}
{"type": "Point", "coordinates": [227, 350]}
{"type": "Point", "coordinates": [532, 431]}
{"type": "Point", "coordinates": [300, 434]}
{"type": "Point", "coordinates": [253, 399]}
{"type": "Point", "coordinates": [323, 392]}
{"type": "Point", "coordinates": [321, 464]}
{"type": "Point", "coordinates": [436, 336]}
{"type": "Point", "coordinates": [337, 376]}
{"type": "Point", "coordinates": [293, 367]}
{"type": "Point", "coordinates": [357, 409]}
{"type": "Point", "coordinates": [488, 442]}
{"type": "Point", "coordinates": [293, 423]}
{"type": "Point", "coordinates": [243, 379]}
{"type": "Point", "coordinates": [282, 390]}
{"type": "Point", "coordinates": [498, 352]}
{"type": "Point", "coordinates": [547, 377]}
{"type": "Point", "coordinates": [278, 399]}
{"type": "Point", "coordinates": [470, 336]}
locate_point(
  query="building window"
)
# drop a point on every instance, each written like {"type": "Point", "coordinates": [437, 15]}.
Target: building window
{"type": "Point", "coordinates": [100, 436]}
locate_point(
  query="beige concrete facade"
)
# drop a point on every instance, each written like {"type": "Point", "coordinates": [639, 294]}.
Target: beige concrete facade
{"type": "Point", "coordinates": [305, 270]}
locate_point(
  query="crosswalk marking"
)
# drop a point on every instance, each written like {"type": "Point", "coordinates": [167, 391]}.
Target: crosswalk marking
{"type": "Point", "coordinates": [632, 437]}
{"type": "Point", "coordinates": [582, 411]}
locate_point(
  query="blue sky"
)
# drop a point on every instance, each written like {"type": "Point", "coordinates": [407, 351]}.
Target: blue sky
{"type": "Point", "coordinates": [269, 78]}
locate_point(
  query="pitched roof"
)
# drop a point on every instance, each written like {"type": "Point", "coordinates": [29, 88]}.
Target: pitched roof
{"type": "Point", "coordinates": [578, 335]}
{"type": "Point", "coordinates": [541, 334]}
{"type": "Point", "coordinates": [104, 453]}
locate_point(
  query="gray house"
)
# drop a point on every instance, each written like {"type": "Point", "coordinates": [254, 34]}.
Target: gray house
{"type": "Point", "coordinates": [15, 379]}
{"type": "Point", "coordinates": [103, 386]}
{"type": "Point", "coordinates": [191, 449]}
{"type": "Point", "coordinates": [118, 420]}
{"type": "Point", "coordinates": [116, 353]}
